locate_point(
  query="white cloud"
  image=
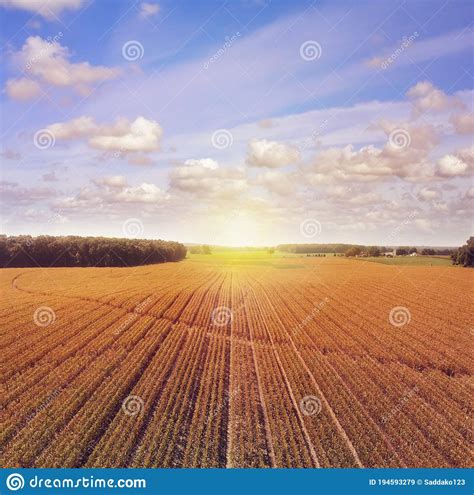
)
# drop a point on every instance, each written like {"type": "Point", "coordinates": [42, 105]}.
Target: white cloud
{"type": "Point", "coordinates": [277, 182]}
{"type": "Point", "coordinates": [22, 89]}
{"type": "Point", "coordinates": [145, 193]}
{"type": "Point", "coordinates": [463, 123]}
{"type": "Point", "coordinates": [141, 135]}
{"type": "Point", "coordinates": [76, 128]}
{"type": "Point", "coordinates": [426, 97]}
{"type": "Point", "coordinates": [206, 179]}
{"type": "Point", "coordinates": [371, 163]}
{"type": "Point", "coordinates": [203, 162]}
{"type": "Point", "coordinates": [425, 225]}
{"type": "Point", "coordinates": [428, 194]}
{"type": "Point", "coordinates": [48, 9]}
{"type": "Point", "coordinates": [441, 206]}
{"type": "Point", "coordinates": [458, 164]}
{"type": "Point", "coordinates": [49, 63]}
{"type": "Point", "coordinates": [271, 154]}
{"type": "Point", "coordinates": [115, 181]}
{"type": "Point", "coordinates": [148, 9]}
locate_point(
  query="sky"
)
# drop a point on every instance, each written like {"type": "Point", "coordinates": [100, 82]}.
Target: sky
{"type": "Point", "coordinates": [245, 122]}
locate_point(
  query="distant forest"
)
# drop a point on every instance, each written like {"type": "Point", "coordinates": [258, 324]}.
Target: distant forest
{"type": "Point", "coordinates": [356, 249]}
{"type": "Point", "coordinates": [26, 251]}
{"type": "Point", "coordinates": [315, 248]}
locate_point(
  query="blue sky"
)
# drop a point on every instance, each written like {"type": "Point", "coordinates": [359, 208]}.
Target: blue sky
{"type": "Point", "coordinates": [239, 122]}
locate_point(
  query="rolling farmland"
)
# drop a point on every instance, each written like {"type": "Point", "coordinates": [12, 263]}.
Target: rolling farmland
{"type": "Point", "coordinates": [239, 362]}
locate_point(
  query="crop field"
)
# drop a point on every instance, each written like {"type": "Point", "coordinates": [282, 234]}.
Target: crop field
{"type": "Point", "coordinates": [237, 361]}
{"type": "Point", "coordinates": [410, 260]}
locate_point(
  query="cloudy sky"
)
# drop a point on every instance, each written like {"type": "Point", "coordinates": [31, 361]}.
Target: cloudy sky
{"type": "Point", "coordinates": [238, 122]}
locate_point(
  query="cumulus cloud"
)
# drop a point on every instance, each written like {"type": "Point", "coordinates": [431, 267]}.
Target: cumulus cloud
{"type": "Point", "coordinates": [458, 164]}
{"type": "Point", "coordinates": [114, 192]}
{"type": "Point", "coordinates": [144, 193]}
{"type": "Point", "coordinates": [426, 97]}
{"type": "Point", "coordinates": [148, 9]}
{"type": "Point", "coordinates": [277, 182]}
{"type": "Point", "coordinates": [22, 89]}
{"type": "Point", "coordinates": [271, 154]}
{"type": "Point", "coordinates": [115, 181]}
{"type": "Point", "coordinates": [463, 123]}
{"type": "Point", "coordinates": [428, 194]}
{"type": "Point", "coordinates": [203, 162]}
{"type": "Point", "coordinates": [49, 63]}
{"type": "Point", "coordinates": [140, 135]}
{"type": "Point", "coordinates": [407, 159]}
{"type": "Point", "coordinates": [49, 9]}
{"type": "Point", "coordinates": [76, 128]}
{"type": "Point", "coordinates": [204, 178]}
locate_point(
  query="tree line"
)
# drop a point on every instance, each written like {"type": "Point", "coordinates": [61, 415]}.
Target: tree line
{"type": "Point", "coordinates": [465, 254]}
{"type": "Point", "coordinates": [315, 248]}
{"type": "Point", "coordinates": [26, 251]}
{"type": "Point", "coordinates": [350, 250]}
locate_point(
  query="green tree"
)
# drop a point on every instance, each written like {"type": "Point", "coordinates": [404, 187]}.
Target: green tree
{"type": "Point", "coordinates": [374, 251]}
{"type": "Point", "coordinates": [465, 254]}
{"type": "Point", "coordinates": [205, 249]}
{"type": "Point", "coordinates": [353, 251]}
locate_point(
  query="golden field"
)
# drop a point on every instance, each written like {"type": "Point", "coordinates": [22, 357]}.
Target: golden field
{"type": "Point", "coordinates": [237, 360]}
